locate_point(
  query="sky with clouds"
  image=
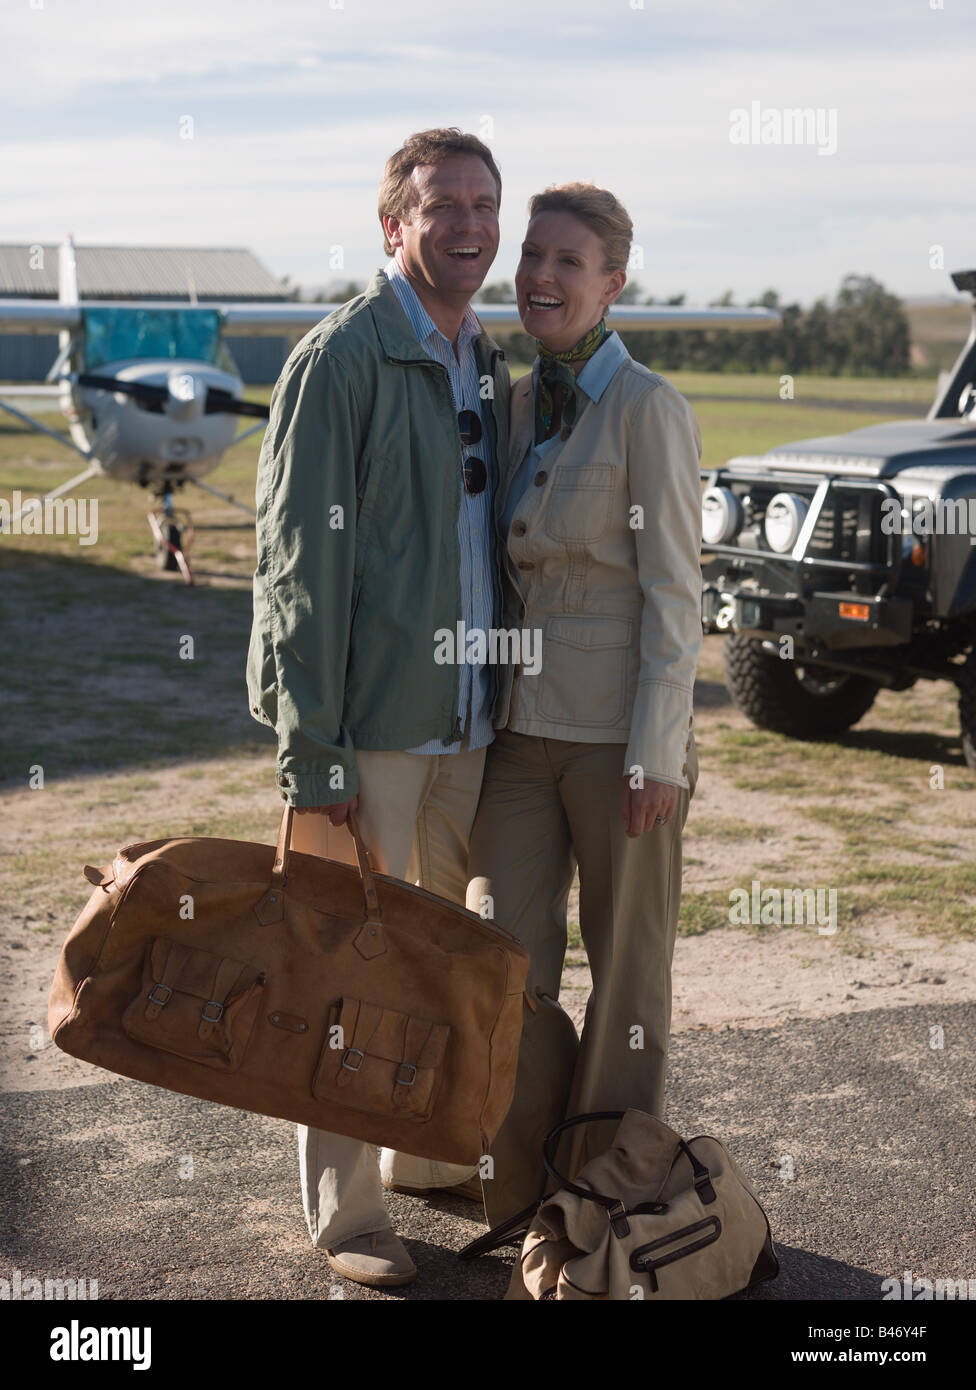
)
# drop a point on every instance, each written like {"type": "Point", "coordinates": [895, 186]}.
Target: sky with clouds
{"type": "Point", "coordinates": [296, 104]}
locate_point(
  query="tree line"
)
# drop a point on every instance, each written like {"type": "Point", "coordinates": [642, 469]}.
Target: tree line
{"type": "Point", "coordinates": [864, 331]}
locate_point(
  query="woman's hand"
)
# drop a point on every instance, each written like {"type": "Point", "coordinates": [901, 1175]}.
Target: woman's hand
{"type": "Point", "coordinates": [648, 807]}
{"type": "Point", "coordinates": [337, 813]}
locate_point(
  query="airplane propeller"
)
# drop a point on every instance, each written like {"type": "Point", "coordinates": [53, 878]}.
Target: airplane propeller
{"type": "Point", "coordinates": [216, 402]}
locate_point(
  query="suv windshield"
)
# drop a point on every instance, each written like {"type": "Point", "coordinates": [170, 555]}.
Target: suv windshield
{"type": "Point", "coordinates": [115, 335]}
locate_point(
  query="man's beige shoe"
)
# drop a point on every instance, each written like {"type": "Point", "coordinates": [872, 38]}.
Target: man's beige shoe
{"type": "Point", "coordinates": [378, 1259]}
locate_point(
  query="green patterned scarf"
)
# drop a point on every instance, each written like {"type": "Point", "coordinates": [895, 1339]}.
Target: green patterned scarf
{"type": "Point", "coordinates": [557, 378]}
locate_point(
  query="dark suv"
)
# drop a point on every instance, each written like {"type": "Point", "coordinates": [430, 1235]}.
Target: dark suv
{"type": "Point", "coordinates": [846, 563]}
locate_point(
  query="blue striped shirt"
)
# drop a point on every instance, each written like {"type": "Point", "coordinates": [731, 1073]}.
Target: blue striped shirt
{"type": "Point", "coordinates": [474, 514]}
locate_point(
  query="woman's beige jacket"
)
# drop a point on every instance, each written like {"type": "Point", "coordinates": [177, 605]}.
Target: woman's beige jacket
{"type": "Point", "coordinates": [604, 562]}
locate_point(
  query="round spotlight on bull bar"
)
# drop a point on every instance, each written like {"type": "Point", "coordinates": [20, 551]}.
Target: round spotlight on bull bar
{"type": "Point", "coordinates": [785, 514]}
{"type": "Point", "coordinates": [721, 516]}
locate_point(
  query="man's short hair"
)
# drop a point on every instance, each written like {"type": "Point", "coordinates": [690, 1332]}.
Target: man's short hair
{"type": "Point", "coordinates": [397, 193]}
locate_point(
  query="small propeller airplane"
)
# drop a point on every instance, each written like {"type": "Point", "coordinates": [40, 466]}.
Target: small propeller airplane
{"type": "Point", "coordinates": [151, 396]}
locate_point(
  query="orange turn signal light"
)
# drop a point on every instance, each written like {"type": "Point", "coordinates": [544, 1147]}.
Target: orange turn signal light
{"type": "Point", "coordinates": [860, 611]}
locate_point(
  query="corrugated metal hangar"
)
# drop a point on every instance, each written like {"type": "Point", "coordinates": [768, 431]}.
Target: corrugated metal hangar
{"type": "Point", "coordinates": [205, 273]}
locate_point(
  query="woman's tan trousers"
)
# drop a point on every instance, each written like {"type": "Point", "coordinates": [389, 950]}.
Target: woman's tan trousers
{"type": "Point", "coordinates": [548, 805]}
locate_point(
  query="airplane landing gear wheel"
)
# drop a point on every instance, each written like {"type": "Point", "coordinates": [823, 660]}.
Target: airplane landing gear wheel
{"type": "Point", "coordinates": [173, 535]}
{"type": "Point", "coordinates": [166, 554]}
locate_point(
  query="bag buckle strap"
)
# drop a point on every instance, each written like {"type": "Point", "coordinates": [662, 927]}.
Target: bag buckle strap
{"type": "Point", "coordinates": [702, 1177]}
{"type": "Point", "coordinates": [168, 968]}
{"type": "Point", "coordinates": [409, 1067]}
{"type": "Point", "coordinates": [226, 976]}
{"type": "Point", "coordinates": [360, 1032]}
{"type": "Point", "coordinates": [617, 1216]}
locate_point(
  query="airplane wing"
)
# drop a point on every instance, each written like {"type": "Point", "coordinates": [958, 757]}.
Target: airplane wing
{"type": "Point", "coordinates": [38, 315]}
{"type": "Point", "coordinates": [51, 315]}
{"type": "Point", "coordinates": [12, 388]}
{"type": "Point", "coordinates": [278, 318]}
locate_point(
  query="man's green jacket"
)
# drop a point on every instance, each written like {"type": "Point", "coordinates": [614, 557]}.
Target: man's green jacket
{"type": "Point", "coordinates": [358, 563]}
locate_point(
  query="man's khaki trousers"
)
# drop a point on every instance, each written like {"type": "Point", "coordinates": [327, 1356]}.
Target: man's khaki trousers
{"type": "Point", "coordinates": [546, 806]}
{"type": "Point", "coordinates": [415, 814]}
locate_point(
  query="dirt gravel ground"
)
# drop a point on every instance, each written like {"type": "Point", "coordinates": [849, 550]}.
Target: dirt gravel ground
{"type": "Point", "coordinates": [855, 1133]}
{"type": "Point", "coordinates": [786, 1041]}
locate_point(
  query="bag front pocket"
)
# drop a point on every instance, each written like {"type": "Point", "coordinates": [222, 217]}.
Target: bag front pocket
{"type": "Point", "coordinates": [380, 1060]}
{"type": "Point", "coordinates": [195, 1004]}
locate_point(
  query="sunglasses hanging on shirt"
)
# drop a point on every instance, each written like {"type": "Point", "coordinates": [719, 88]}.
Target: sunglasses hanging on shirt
{"type": "Point", "coordinates": [473, 470]}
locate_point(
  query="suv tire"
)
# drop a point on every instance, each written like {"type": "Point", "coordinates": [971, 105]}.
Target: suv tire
{"type": "Point", "coordinates": [967, 708]}
{"type": "Point", "coordinates": [816, 704]}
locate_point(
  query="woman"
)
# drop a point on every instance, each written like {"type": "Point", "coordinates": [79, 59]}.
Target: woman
{"type": "Point", "coordinates": [594, 760]}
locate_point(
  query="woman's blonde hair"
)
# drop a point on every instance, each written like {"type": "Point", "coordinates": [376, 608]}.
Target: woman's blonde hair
{"type": "Point", "coordinates": [601, 212]}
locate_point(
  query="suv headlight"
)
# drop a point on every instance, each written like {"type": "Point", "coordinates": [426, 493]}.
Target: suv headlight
{"type": "Point", "coordinates": [721, 515]}
{"type": "Point", "coordinates": [785, 515]}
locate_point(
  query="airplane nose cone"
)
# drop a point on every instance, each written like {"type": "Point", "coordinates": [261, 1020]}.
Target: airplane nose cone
{"type": "Point", "coordinates": [187, 396]}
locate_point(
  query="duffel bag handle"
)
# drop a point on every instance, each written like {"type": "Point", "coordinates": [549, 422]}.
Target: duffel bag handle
{"type": "Point", "coordinates": [616, 1212]}
{"type": "Point", "coordinates": [279, 872]}
{"type": "Point", "coordinates": [362, 854]}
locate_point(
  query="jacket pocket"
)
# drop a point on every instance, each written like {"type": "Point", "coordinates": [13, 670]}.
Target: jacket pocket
{"type": "Point", "coordinates": [380, 1060]}
{"type": "Point", "coordinates": [579, 504]}
{"type": "Point", "coordinates": [195, 1004]}
{"type": "Point", "coordinates": [585, 667]}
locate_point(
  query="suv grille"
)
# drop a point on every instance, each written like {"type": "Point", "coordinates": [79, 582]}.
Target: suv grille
{"type": "Point", "coordinates": [835, 534]}
{"type": "Point", "coordinates": [848, 528]}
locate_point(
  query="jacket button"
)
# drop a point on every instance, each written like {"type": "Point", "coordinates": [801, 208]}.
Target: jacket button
{"type": "Point", "coordinates": [540, 477]}
{"type": "Point", "coordinates": [526, 565]}
{"type": "Point", "coordinates": [519, 528]}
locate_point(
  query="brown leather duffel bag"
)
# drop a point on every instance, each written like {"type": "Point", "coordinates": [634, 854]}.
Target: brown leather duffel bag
{"type": "Point", "coordinates": [298, 987]}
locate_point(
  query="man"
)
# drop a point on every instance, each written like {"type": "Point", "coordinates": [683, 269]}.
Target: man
{"type": "Point", "coordinates": [375, 528]}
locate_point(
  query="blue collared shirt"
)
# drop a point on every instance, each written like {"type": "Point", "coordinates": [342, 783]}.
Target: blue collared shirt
{"type": "Point", "coordinates": [594, 379]}
{"type": "Point", "coordinates": [474, 514]}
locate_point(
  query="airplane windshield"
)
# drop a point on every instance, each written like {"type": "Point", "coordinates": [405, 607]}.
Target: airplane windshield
{"type": "Point", "coordinates": [114, 335]}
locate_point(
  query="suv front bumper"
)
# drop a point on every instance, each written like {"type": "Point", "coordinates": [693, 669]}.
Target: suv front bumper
{"type": "Point", "coordinates": [836, 619]}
